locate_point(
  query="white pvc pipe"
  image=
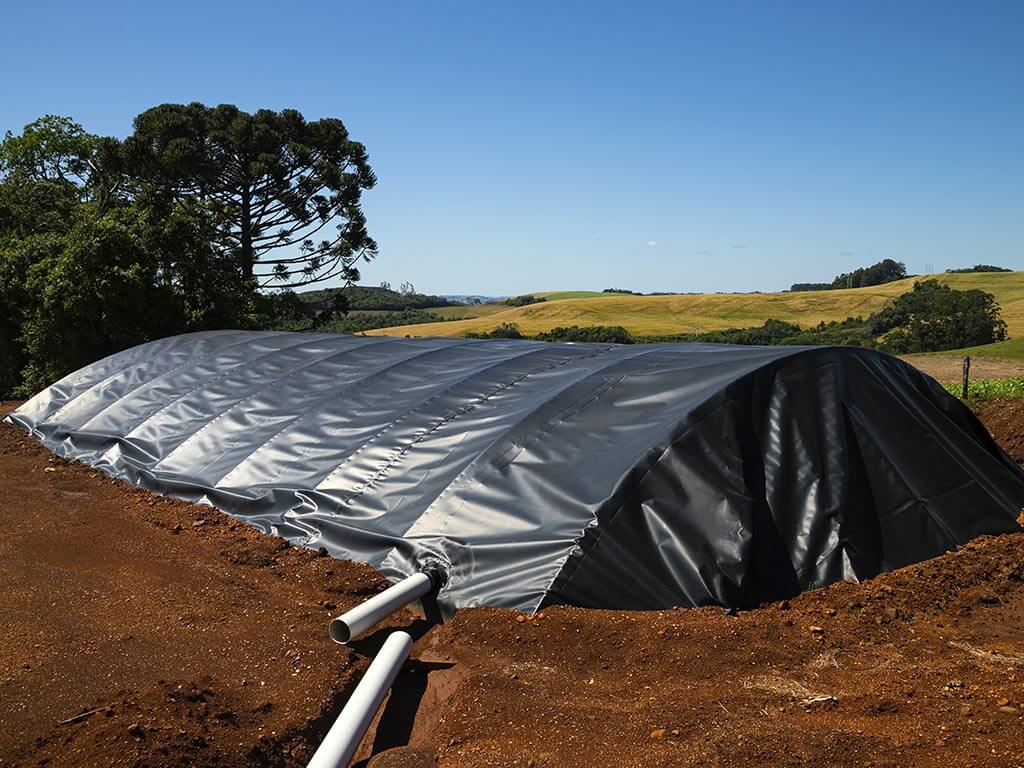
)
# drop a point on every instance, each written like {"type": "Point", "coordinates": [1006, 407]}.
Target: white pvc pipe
{"type": "Point", "coordinates": [353, 623]}
{"type": "Point", "coordinates": [342, 740]}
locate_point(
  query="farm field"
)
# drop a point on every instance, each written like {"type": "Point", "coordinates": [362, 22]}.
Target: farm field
{"type": "Point", "coordinates": [651, 315]}
{"type": "Point", "coordinates": [468, 311]}
{"type": "Point", "coordinates": [947, 368]}
{"type": "Point", "coordinates": [1011, 349]}
{"type": "Point", "coordinates": [146, 631]}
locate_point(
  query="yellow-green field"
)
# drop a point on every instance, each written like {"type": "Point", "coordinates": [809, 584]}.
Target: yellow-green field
{"type": "Point", "coordinates": [652, 315]}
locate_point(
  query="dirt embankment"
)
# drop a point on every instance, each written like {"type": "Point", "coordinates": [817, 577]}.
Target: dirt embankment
{"type": "Point", "coordinates": [176, 642]}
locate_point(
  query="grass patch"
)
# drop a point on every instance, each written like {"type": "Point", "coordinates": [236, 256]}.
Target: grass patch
{"type": "Point", "coordinates": [1011, 349]}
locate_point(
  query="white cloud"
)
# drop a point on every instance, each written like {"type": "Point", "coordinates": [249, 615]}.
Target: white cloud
{"type": "Point", "coordinates": [654, 243]}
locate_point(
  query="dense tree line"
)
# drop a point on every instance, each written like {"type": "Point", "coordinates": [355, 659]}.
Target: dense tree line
{"type": "Point", "coordinates": [523, 301]}
{"type": "Point", "coordinates": [885, 271]}
{"type": "Point", "coordinates": [979, 268]}
{"type": "Point", "coordinates": [373, 298]}
{"type": "Point", "coordinates": [204, 217]}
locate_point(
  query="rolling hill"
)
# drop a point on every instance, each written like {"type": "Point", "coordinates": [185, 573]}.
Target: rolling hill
{"type": "Point", "coordinates": [652, 315]}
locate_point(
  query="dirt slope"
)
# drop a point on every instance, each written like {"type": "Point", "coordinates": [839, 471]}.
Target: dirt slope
{"type": "Point", "coordinates": [205, 644]}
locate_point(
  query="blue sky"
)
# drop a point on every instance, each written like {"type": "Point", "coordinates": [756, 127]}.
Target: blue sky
{"type": "Point", "coordinates": [678, 146]}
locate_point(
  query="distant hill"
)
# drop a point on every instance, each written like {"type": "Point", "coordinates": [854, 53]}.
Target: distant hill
{"type": "Point", "coordinates": [656, 315]}
{"type": "Point", "coordinates": [472, 298]}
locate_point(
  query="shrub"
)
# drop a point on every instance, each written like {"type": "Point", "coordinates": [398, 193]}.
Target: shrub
{"type": "Point", "coordinates": [607, 334]}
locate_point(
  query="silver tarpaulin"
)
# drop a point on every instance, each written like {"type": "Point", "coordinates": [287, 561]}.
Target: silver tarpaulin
{"type": "Point", "coordinates": [642, 476]}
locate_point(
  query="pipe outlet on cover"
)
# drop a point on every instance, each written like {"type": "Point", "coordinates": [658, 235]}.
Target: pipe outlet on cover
{"type": "Point", "coordinates": [342, 740]}
{"type": "Point", "coordinates": [351, 624]}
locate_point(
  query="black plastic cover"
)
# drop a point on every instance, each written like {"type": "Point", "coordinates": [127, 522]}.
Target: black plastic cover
{"type": "Point", "coordinates": [643, 476]}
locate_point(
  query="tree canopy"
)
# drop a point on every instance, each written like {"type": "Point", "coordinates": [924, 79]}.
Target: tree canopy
{"type": "Point", "coordinates": [285, 192]}
{"type": "Point", "coordinates": [183, 226]}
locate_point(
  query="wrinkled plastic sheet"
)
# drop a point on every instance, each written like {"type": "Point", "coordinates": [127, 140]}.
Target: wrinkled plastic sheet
{"type": "Point", "coordinates": [644, 476]}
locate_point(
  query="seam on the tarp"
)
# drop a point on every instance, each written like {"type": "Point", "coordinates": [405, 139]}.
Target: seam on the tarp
{"type": "Point", "coordinates": [231, 408]}
{"type": "Point", "coordinates": [397, 454]}
{"type": "Point", "coordinates": [217, 377]}
{"type": "Point", "coordinates": [333, 395]}
{"type": "Point", "coordinates": [168, 372]}
{"type": "Point", "coordinates": [124, 358]}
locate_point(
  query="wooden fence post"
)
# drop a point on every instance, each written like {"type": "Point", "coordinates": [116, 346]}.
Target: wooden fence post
{"type": "Point", "coordinates": [967, 376]}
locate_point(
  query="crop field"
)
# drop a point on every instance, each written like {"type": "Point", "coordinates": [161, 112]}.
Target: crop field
{"type": "Point", "coordinates": [651, 315]}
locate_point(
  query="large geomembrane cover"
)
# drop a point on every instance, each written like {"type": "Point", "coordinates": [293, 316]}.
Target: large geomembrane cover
{"type": "Point", "coordinates": [641, 476]}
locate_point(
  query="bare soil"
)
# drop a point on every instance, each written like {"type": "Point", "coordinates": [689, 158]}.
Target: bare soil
{"type": "Point", "coordinates": [948, 369]}
{"type": "Point", "coordinates": [143, 631]}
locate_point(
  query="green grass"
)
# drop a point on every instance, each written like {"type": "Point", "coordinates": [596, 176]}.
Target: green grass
{"type": "Point", "coordinates": [663, 315]}
{"type": "Point", "coordinates": [1011, 349]}
{"type": "Point", "coordinates": [560, 295]}
{"type": "Point", "coordinates": [989, 389]}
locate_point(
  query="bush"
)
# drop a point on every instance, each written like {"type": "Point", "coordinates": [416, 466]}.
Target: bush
{"type": "Point", "coordinates": [934, 317]}
{"type": "Point", "coordinates": [605, 334]}
{"type": "Point", "coordinates": [503, 331]}
{"type": "Point", "coordinates": [357, 322]}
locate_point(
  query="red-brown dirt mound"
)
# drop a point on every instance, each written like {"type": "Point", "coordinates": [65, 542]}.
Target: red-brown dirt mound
{"type": "Point", "coordinates": [144, 631]}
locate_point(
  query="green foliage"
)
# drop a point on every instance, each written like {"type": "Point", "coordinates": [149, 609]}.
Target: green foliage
{"type": "Point", "coordinates": [934, 317]}
{"type": "Point", "coordinates": [522, 301]}
{"type": "Point", "coordinates": [608, 334]}
{"type": "Point", "coordinates": [286, 191]}
{"type": "Point", "coordinates": [106, 244]}
{"type": "Point", "coordinates": [979, 268]}
{"type": "Point", "coordinates": [885, 271]}
{"type": "Point", "coordinates": [359, 322]}
{"type": "Point", "coordinates": [621, 290]}
{"type": "Point", "coordinates": [850, 332]}
{"type": "Point", "coordinates": [989, 389]}
{"type": "Point", "coordinates": [811, 287]}
{"type": "Point", "coordinates": [96, 291]}
{"type": "Point", "coordinates": [503, 331]}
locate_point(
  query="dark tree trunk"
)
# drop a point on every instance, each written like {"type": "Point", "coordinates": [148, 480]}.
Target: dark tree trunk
{"type": "Point", "coordinates": [246, 238]}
